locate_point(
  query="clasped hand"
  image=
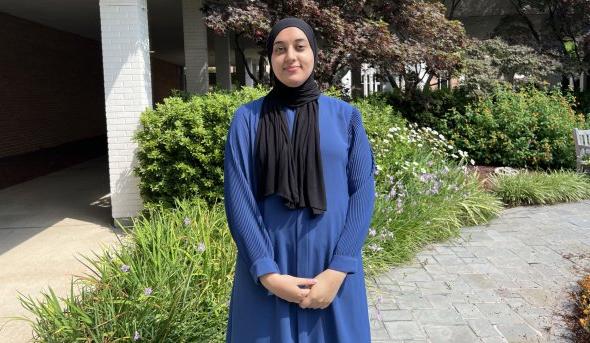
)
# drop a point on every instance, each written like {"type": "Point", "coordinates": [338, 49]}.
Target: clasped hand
{"type": "Point", "coordinates": [317, 293]}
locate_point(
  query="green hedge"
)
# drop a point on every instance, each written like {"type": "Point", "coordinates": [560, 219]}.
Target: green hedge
{"type": "Point", "coordinates": [181, 145]}
{"type": "Point", "coordinates": [528, 128]}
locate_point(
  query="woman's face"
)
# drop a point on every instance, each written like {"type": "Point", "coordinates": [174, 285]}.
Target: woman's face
{"type": "Point", "coordinates": [292, 57]}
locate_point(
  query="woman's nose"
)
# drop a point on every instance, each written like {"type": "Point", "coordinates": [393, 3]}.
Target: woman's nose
{"type": "Point", "coordinates": [290, 55]}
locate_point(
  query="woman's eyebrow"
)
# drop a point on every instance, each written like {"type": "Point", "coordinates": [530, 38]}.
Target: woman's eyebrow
{"type": "Point", "coordinates": [297, 41]}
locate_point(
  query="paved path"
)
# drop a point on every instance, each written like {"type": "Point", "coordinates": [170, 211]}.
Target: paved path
{"type": "Point", "coordinates": [500, 282]}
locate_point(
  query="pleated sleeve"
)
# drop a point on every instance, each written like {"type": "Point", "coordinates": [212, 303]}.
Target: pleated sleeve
{"type": "Point", "coordinates": [243, 216]}
{"type": "Point", "coordinates": [361, 189]}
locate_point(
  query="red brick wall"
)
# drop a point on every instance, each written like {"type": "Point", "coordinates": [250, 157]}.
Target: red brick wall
{"type": "Point", "coordinates": [165, 77]}
{"type": "Point", "coordinates": [51, 86]}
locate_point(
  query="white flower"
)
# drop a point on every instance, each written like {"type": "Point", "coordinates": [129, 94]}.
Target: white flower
{"type": "Point", "coordinates": [419, 145]}
{"type": "Point", "coordinates": [374, 247]}
{"type": "Point", "coordinates": [386, 141]}
{"type": "Point", "coordinates": [454, 156]}
{"type": "Point", "coordinates": [472, 162]}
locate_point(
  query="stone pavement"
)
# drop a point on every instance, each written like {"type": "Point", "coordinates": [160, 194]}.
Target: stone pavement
{"type": "Point", "coordinates": [506, 281]}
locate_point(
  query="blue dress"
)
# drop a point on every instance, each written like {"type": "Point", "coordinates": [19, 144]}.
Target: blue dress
{"type": "Point", "coordinates": [272, 238]}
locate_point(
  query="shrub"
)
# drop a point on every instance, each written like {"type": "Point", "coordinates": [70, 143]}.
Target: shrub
{"type": "Point", "coordinates": [426, 108]}
{"type": "Point", "coordinates": [527, 128]}
{"type": "Point", "coordinates": [181, 145]}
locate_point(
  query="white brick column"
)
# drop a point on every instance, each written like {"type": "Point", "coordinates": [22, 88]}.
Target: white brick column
{"type": "Point", "coordinates": [356, 79]}
{"type": "Point", "coordinates": [195, 47]}
{"type": "Point", "coordinates": [128, 92]}
{"type": "Point", "coordinates": [251, 65]}
{"type": "Point", "coordinates": [222, 62]}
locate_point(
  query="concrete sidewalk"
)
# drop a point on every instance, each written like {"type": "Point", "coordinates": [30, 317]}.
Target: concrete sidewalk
{"type": "Point", "coordinates": [45, 224]}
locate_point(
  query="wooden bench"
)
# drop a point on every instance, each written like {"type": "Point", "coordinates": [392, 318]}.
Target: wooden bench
{"type": "Point", "coordinates": [582, 142]}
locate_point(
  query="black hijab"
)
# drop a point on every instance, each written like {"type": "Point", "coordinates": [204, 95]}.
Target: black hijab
{"type": "Point", "coordinates": [292, 169]}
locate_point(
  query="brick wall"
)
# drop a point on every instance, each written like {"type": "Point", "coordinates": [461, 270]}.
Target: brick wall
{"type": "Point", "coordinates": [51, 86]}
{"type": "Point", "coordinates": [165, 77]}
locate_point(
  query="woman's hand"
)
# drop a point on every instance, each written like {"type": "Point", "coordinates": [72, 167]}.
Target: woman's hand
{"type": "Point", "coordinates": [286, 286]}
{"type": "Point", "coordinates": [322, 293]}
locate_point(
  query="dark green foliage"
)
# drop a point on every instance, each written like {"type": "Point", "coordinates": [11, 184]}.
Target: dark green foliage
{"type": "Point", "coordinates": [181, 145]}
{"type": "Point", "coordinates": [527, 128]}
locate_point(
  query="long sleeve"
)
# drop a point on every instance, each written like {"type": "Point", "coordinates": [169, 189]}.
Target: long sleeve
{"type": "Point", "coordinates": [361, 189]}
{"type": "Point", "coordinates": [243, 216]}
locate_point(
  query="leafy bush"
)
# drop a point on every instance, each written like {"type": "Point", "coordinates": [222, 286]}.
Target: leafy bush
{"type": "Point", "coordinates": [169, 281]}
{"type": "Point", "coordinates": [527, 128]}
{"type": "Point", "coordinates": [181, 145]}
{"type": "Point", "coordinates": [426, 108]}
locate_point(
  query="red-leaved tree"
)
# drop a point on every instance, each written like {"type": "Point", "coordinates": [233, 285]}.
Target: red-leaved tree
{"type": "Point", "coordinates": [408, 38]}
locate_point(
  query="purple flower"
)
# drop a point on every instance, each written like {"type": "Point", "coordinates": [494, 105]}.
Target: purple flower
{"type": "Point", "coordinates": [399, 205]}
{"type": "Point", "coordinates": [136, 336]}
{"type": "Point", "coordinates": [372, 232]}
{"type": "Point", "coordinates": [147, 291]}
{"type": "Point", "coordinates": [125, 268]}
{"type": "Point", "coordinates": [201, 247]}
{"type": "Point", "coordinates": [424, 177]}
{"type": "Point", "coordinates": [434, 189]}
{"type": "Point", "coordinates": [429, 163]}
{"type": "Point", "coordinates": [392, 193]}
{"type": "Point", "coordinates": [391, 179]}
{"type": "Point", "coordinates": [186, 221]}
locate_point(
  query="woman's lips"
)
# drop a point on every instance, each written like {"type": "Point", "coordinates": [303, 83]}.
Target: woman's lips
{"type": "Point", "coordinates": [292, 69]}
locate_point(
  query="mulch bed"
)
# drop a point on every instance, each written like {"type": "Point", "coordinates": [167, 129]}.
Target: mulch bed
{"type": "Point", "coordinates": [483, 174]}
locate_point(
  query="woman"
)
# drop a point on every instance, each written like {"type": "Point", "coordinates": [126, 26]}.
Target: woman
{"type": "Point", "coordinates": [298, 207]}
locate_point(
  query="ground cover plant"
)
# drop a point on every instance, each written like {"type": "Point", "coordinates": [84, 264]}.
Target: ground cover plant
{"type": "Point", "coordinates": [540, 188]}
